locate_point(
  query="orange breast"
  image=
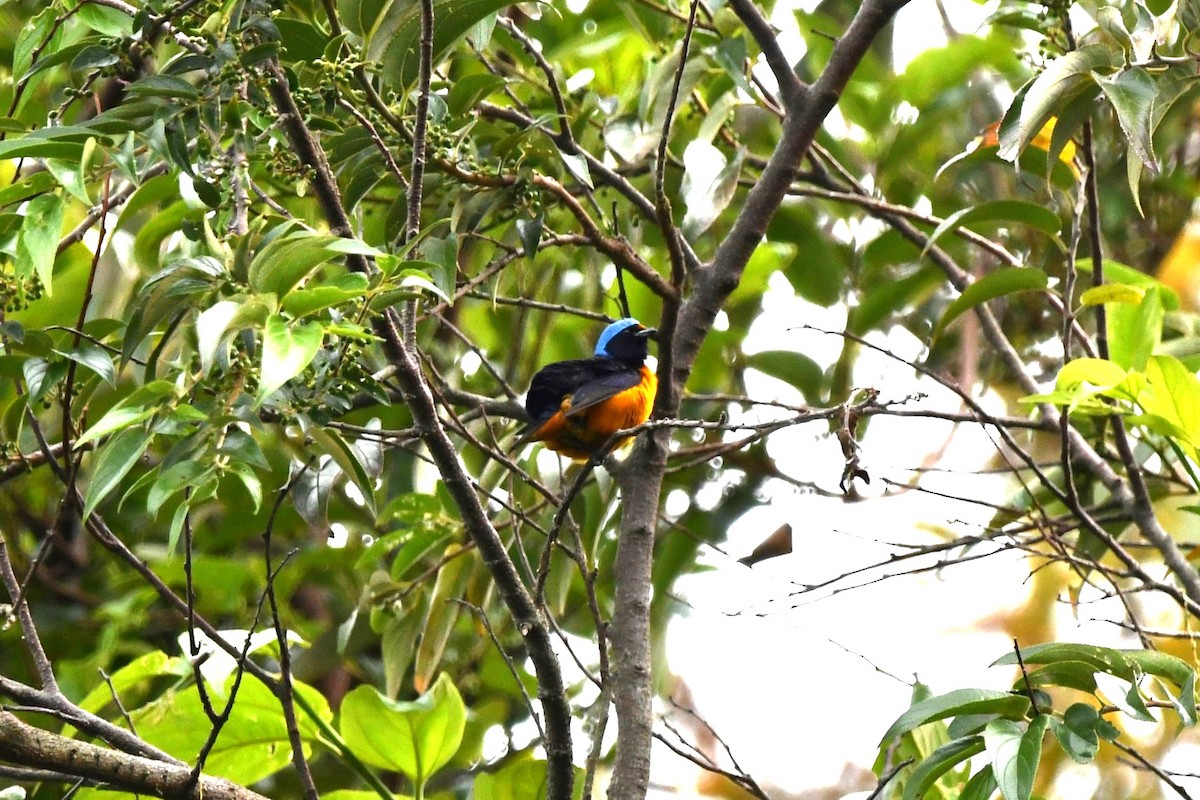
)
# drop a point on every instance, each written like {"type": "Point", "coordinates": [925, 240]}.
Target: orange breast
{"type": "Point", "coordinates": [581, 435]}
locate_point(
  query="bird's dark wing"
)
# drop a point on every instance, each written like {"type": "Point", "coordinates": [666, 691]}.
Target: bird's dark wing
{"type": "Point", "coordinates": [604, 386]}
{"type": "Point", "coordinates": [553, 382]}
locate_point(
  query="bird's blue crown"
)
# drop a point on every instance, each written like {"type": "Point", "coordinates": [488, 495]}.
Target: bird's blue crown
{"type": "Point", "coordinates": [611, 331]}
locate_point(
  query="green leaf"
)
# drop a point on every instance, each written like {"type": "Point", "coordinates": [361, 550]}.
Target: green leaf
{"type": "Point", "coordinates": [709, 184]}
{"type": "Point", "coordinates": [883, 298]}
{"type": "Point", "coordinates": [1015, 751]}
{"type": "Point", "coordinates": [130, 410]}
{"type": "Point", "coordinates": [1101, 659]}
{"type": "Point", "coordinates": [522, 779]}
{"type": "Point", "coordinates": [415, 281]}
{"type": "Point", "coordinates": [254, 742]}
{"type": "Point", "coordinates": [443, 613]}
{"type": "Point", "coordinates": [91, 357]}
{"type": "Point", "coordinates": [113, 462]}
{"type": "Point", "coordinates": [394, 40]}
{"type": "Point", "coordinates": [287, 350]}
{"type": "Point", "coordinates": [792, 368]}
{"type": "Point", "coordinates": [162, 86]}
{"type": "Point", "coordinates": [981, 786]}
{"type": "Point", "coordinates": [938, 763]}
{"type": "Point", "coordinates": [1135, 330]}
{"type": "Point", "coordinates": [211, 325]}
{"type": "Point", "coordinates": [118, 418]}
{"type": "Point", "coordinates": [173, 480]}
{"type": "Point", "coordinates": [69, 175]}
{"type": "Point", "coordinates": [468, 90]}
{"type": "Point", "coordinates": [1131, 93]}
{"type": "Point", "coordinates": [38, 244]}
{"type": "Point", "coordinates": [141, 670]}
{"type": "Point", "coordinates": [1072, 674]}
{"type": "Point", "coordinates": [1173, 393]}
{"type": "Point", "coordinates": [995, 284]}
{"type": "Point", "coordinates": [1058, 84]}
{"type": "Point", "coordinates": [397, 646]}
{"type": "Point", "coordinates": [346, 457]}
{"type": "Point", "coordinates": [105, 20]}
{"type": "Point", "coordinates": [417, 738]}
{"type": "Point", "coordinates": [960, 701]}
{"type": "Point", "coordinates": [1077, 732]}
{"type": "Point", "coordinates": [1112, 293]}
{"type": "Point", "coordinates": [360, 15]}
{"type": "Point", "coordinates": [284, 261]}
{"type": "Point", "coordinates": [1000, 211]}
{"type": "Point", "coordinates": [302, 302]}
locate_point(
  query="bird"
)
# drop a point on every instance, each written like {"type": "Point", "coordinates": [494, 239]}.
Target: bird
{"type": "Point", "coordinates": [576, 406]}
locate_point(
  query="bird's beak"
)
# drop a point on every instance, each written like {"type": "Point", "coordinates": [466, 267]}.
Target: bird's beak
{"type": "Point", "coordinates": [647, 333]}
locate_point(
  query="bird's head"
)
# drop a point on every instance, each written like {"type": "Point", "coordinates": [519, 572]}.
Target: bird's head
{"type": "Point", "coordinates": [626, 341]}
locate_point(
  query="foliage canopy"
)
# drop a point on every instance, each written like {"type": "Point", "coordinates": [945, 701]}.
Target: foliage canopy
{"type": "Point", "coordinates": [275, 275]}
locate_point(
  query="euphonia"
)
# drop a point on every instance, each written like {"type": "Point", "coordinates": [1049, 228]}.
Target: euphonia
{"type": "Point", "coordinates": [576, 406]}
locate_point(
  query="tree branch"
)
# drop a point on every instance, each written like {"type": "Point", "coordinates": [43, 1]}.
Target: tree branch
{"type": "Point", "coordinates": [27, 746]}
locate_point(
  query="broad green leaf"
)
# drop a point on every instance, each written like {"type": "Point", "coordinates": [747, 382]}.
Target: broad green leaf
{"type": "Point", "coordinates": [38, 244]}
{"type": "Point", "coordinates": [41, 375]}
{"type": "Point", "coordinates": [302, 302]}
{"type": "Point", "coordinates": [1058, 84]}
{"type": "Point", "coordinates": [981, 786]}
{"type": "Point", "coordinates": [394, 39]}
{"type": "Point", "coordinates": [331, 443]}
{"type": "Point", "coordinates": [1102, 659]}
{"type": "Point", "coordinates": [1015, 751]}
{"type": "Point", "coordinates": [577, 166]}
{"type": "Point", "coordinates": [175, 479]}
{"type": "Point", "coordinates": [1163, 665]}
{"type": "Point", "coordinates": [145, 667]}
{"type": "Point", "coordinates": [70, 175]}
{"type": "Point", "coordinates": [1072, 674]}
{"type": "Point", "coordinates": [145, 400]}
{"type": "Point", "coordinates": [522, 779]}
{"type": "Point", "coordinates": [960, 701]}
{"type": "Point", "coordinates": [468, 90]}
{"type": "Point", "coordinates": [211, 325]}
{"type": "Point", "coordinates": [999, 211]}
{"type": "Point", "coordinates": [995, 284]}
{"type": "Point", "coordinates": [285, 261]}
{"type": "Point", "coordinates": [1095, 372]}
{"type": "Point", "coordinates": [1135, 330]}
{"type": "Point", "coordinates": [105, 20]}
{"type": "Point", "coordinates": [938, 763]}
{"type": "Point", "coordinates": [1169, 87]}
{"type": "Point", "coordinates": [883, 298]}
{"type": "Point", "coordinates": [27, 187]}
{"type": "Point", "coordinates": [417, 738]}
{"type": "Point", "coordinates": [113, 462]}
{"type": "Point", "coordinates": [1131, 93]}
{"type": "Point", "coordinates": [1173, 393]}
{"type": "Point", "coordinates": [1112, 293]}
{"type": "Point", "coordinates": [415, 281]}
{"type": "Point", "coordinates": [792, 368]}
{"type": "Point", "coordinates": [1076, 733]}
{"type": "Point", "coordinates": [443, 613]}
{"type": "Point", "coordinates": [397, 647]}
{"type": "Point", "coordinates": [91, 357]}
{"type": "Point", "coordinates": [287, 350]}
{"type": "Point", "coordinates": [359, 794]}
{"type": "Point", "coordinates": [162, 86]}
{"type": "Point", "coordinates": [254, 742]}
{"type": "Point", "coordinates": [118, 418]}
{"type": "Point", "coordinates": [359, 15]}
